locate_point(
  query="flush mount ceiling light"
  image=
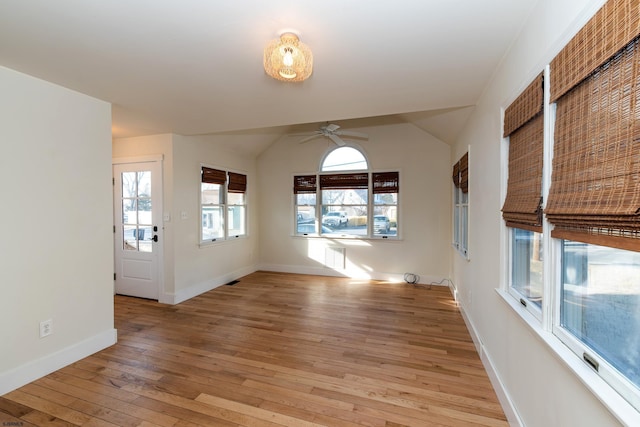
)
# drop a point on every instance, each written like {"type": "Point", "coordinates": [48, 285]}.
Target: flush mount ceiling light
{"type": "Point", "coordinates": [288, 59]}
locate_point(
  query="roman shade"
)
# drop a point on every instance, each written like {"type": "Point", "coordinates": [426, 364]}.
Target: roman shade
{"type": "Point", "coordinates": [304, 184]}
{"type": "Point", "coordinates": [608, 31]}
{"type": "Point", "coordinates": [595, 194]}
{"type": "Point", "coordinates": [456, 175]}
{"type": "Point", "coordinates": [213, 176]}
{"type": "Point", "coordinates": [525, 107]}
{"type": "Point", "coordinates": [385, 182]}
{"type": "Point", "coordinates": [344, 180]}
{"type": "Point", "coordinates": [524, 125]}
{"type": "Point", "coordinates": [461, 173]}
{"type": "Point", "coordinates": [237, 183]}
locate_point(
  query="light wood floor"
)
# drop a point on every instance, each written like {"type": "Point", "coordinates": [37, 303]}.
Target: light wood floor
{"type": "Point", "coordinates": [272, 350]}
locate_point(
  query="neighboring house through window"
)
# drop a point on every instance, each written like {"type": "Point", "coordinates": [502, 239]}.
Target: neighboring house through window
{"type": "Point", "coordinates": [346, 198]}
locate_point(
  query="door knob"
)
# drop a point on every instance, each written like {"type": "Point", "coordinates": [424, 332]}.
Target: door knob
{"type": "Point", "coordinates": [155, 238]}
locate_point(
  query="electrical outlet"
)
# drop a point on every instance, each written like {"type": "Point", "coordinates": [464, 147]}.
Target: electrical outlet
{"type": "Point", "coordinates": [46, 328]}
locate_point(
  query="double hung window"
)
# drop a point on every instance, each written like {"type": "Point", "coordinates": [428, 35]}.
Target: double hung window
{"type": "Point", "coordinates": [594, 197]}
{"type": "Point", "coordinates": [222, 205]}
{"type": "Point", "coordinates": [461, 205]}
{"type": "Point", "coordinates": [590, 259]}
{"type": "Point", "coordinates": [522, 209]}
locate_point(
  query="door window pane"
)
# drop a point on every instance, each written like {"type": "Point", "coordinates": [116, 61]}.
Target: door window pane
{"type": "Point", "coordinates": [129, 238]}
{"type": "Point", "coordinates": [137, 219]}
{"type": "Point", "coordinates": [144, 184]}
{"type": "Point", "coordinates": [129, 185]}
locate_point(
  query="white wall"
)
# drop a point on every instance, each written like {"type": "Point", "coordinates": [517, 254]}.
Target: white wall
{"type": "Point", "coordinates": [203, 268]}
{"type": "Point", "coordinates": [188, 268]}
{"type": "Point", "coordinates": [57, 239]}
{"type": "Point", "coordinates": [425, 206]}
{"type": "Point", "coordinates": [542, 388]}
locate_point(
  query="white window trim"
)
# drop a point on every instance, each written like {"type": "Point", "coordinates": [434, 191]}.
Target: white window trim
{"type": "Point", "coordinates": [226, 237]}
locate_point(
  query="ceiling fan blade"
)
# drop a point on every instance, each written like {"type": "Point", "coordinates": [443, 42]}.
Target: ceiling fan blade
{"type": "Point", "coordinates": [309, 138]}
{"type": "Point", "coordinates": [336, 139]}
{"type": "Point", "coordinates": [304, 133]}
{"type": "Point", "coordinates": [332, 127]}
{"type": "Point", "coordinates": [352, 134]}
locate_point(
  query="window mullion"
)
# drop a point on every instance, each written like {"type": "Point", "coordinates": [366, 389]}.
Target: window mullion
{"type": "Point", "coordinates": [370, 204]}
{"type": "Point", "coordinates": [550, 254]}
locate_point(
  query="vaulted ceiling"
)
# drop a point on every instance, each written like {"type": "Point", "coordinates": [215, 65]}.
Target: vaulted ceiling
{"type": "Point", "coordinates": [195, 66]}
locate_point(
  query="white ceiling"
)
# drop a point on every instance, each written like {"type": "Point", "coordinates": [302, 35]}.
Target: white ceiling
{"type": "Point", "coordinates": [195, 66]}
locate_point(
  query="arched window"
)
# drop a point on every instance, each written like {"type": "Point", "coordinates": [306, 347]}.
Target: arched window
{"type": "Point", "coordinates": [346, 199]}
{"type": "Point", "coordinates": [344, 159]}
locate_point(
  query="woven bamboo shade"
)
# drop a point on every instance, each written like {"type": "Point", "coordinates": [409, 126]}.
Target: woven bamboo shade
{"type": "Point", "coordinates": [385, 182]}
{"type": "Point", "coordinates": [213, 176]}
{"type": "Point", "coordinates": [523, 204]}
{"type": "Point", "coordinates": [344, 180]}
{"type": "Point", "coordinates": [464, 173]}
{"type": "Point", "coordinates": [525, 107]}
{"type": "Point", "coordinates": [460, 173]}
{"type": "Point", "coordinates": [524, 125]}
{"type": "Point", "coordinates": [456, 175]}
{"type": "Point", "coordinates": [595, 193]}
{"type": "Point", "coordinates": [304, 184]}
{"type": "Point", "coordinates": [610, 29]}
{"type": "Point", "coordinates": [237, 183]}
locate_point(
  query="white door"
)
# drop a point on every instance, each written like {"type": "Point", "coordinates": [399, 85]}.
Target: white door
{"type": "Point", "coordinates": [138, 228]}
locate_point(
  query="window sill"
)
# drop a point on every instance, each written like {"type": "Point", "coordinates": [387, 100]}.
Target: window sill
{"type": "Point", "coordinates": [348, 237]}
{"type": "Point", "coordinates": [221, 241]}
{"type": "Point", "coordinates": [463, 254]}
{"type": "Point", "coordinates": [613, 401]}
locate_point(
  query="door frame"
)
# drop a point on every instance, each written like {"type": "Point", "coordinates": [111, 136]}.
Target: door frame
{"type": "Point", "coordinates": [156, 158]}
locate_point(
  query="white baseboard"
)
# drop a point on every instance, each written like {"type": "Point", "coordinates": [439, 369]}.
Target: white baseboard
{"type": "Point", "coordinates": [297, 269]}
{"type": "Point", "coordinates": [200, 288]}
{"type": "Point", "coordinates": [333, 272]}
{"type": "Point", "coordinates": [38, 368]}
{"type": "Point", "coordinates": [503, 396]}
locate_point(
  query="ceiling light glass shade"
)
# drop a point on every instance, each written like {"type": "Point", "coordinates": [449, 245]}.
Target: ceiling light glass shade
{"type": "Point", "coordinates": [288, 59]}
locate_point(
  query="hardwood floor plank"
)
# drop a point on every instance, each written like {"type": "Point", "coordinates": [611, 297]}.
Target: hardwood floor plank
{"type": "Point", "coordinates": [45, 406]}
{"type": "Point", "coordinates": [259, 413]}
{"type": "Point", "coordinates": [275, 350]}
{"type": "Point", "coordinates": [38, 418]}
{"type": "Point", "coordinates": [104, 399]}
{"type": "Point", "coordinates": [216, 412]}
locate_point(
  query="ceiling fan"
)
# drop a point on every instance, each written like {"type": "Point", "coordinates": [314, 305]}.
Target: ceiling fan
{"type": "Point", "coordinates": [333, 132]}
